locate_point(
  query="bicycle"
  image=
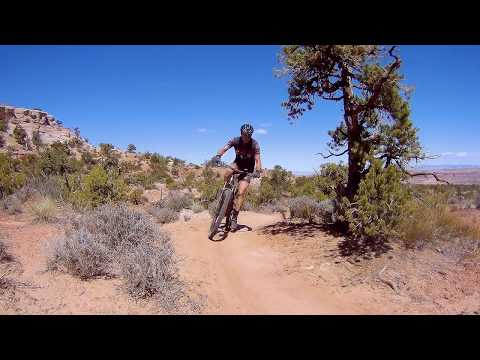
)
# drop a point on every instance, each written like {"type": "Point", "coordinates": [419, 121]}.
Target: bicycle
{"type": "Point", "coordinates": [225, 200]}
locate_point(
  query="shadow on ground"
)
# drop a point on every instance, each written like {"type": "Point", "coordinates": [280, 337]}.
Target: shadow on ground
{"type": "Point", "coordinates": [347, 247]}
{"type": "Point", "coordinates": [222, 233]}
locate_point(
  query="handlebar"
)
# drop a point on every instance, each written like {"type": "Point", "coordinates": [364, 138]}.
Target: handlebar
{"type": "Point", "coordinates": [245, 171]}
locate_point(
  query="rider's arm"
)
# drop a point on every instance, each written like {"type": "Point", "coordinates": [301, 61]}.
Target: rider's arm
{"type": "Point", "coordinates": [258, 162]}
{"type": "Point", "coordinates": [224, 149]}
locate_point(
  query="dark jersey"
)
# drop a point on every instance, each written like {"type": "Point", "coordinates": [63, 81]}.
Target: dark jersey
{"type": "Point", "coordinates": [243, 151]}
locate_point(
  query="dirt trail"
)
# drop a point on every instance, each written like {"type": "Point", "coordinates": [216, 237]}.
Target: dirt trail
{"type": "Point", "coordinates": [243, 275]}
{"type": "Point", "coordinates": [273, 267]}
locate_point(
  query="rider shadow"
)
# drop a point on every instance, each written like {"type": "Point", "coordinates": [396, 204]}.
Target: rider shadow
{"type": "Point", "coordinates": [222, 233]}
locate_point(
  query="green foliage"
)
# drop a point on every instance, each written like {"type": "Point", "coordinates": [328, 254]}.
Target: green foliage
{"type": "Point", "coordinates": [30, 165]}
{"type": "Point", "coordinates": [208, 185]}
{"type": "Point", "coordinates": [159, 169]}
{"type": "Point", "coordinates": [332, 179]}
{"type": "Point", "coordinates": [106, 150]}
{"type": "Point", "coordinates": [11, 178]}
{"type": "Point", "coordinates": [280, 180]}
{"type": "Point", "coordinates": [99, 187]}
{"type": "Point", "coordinates": [36, 140]}
{"type": "Point", "coordinates": [88, 158]}
{"type": "Point", "coordinates": [135, 196]}
{"type": "Point", "coordinates": [3, 125]}
{"type": "Point", "coordinates": [57, 160]}
{"type": "Point", "coordinates": [381, 202]}
{"type": "Point", "coordinates": [367, 80]}
{"type": "Point", "coordinates": [141, 178]}
{"type": "Point", "coordinates": [189, 180]}
{"type": "Point", "coordinates": [131, 148]}
{"type": "Point", "coordinates": [20, 135]}
{"type": "Point", "coordinates": [44, 210]}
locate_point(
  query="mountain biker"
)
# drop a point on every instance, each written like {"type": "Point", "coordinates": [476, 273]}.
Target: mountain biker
{"type": "Point", "coordinates": [247, 151]}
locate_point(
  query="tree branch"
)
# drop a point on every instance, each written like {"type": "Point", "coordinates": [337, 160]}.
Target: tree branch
{"type": "Point", "coordinates": [377, 90]}
{"type": "Point", "coordinates": [333, 154]}
{"type": "Point", "coordinates": [332, 98]}
{"type": "Point", "coordinates": [426, 174]}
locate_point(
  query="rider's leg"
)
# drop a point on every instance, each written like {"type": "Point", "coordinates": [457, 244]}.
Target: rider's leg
{"type": "Point", "coordinates": [242, 191]}
{"type": "Point", "coordinates": [229, 172]}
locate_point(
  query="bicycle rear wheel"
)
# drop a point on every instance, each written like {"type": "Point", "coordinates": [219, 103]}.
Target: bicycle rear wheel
{"type": "Point", "coordinates": [222, 207]}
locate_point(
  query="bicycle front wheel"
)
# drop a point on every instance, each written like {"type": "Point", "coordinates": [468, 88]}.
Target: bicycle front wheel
{"type": "Point", "coordinates": [222, 207]}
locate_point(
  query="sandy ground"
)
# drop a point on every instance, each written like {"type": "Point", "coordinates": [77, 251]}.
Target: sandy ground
{"type": "Point", "coordinates": [269, 267]}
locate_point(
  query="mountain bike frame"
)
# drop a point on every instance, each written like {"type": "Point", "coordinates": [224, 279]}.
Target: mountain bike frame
{"type": "Point", "coordinates": [225, 201]}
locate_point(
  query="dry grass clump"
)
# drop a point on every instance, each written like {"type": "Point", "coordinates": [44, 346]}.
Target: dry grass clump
{"type": "Point", "coordinates": [115, 241]}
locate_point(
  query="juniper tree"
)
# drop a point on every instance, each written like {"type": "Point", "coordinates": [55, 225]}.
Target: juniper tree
{"type": "Point", "coordinates": [131, 148]}
{"type": "Point", "coordinates": [366, 79]}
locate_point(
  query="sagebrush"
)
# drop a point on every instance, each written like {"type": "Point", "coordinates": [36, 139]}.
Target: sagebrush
{"type": "Point", "coordinates": [116, 241]}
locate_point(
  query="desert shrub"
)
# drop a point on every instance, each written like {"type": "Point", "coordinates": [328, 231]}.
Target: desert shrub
{"type": "Point", "coordinates": [273, 207]}
{"type": "Point", "coordinates": [176, 201]}
{"type": "Point", "coordinates": [196, 207]}
{"type": "Point", "coordinates": [10, 178]}
{"type": "Point", "coordinates": [20, 135]}
{"type": "Point", "coordinates": [29, 165]}
{"type": "Point", "coordinates": [44, 210]}
{"type": "Point", "coordinates": [4, 256]}
{"type": "Point", "coordinates": [379, 205]}
{"type": "Point", "coordinates": [150, 270]}
{"type": "Point", "coordinates": [135, 196]}
{"type": "Point", "coordinates": [81, 253]}
{"type": "Point", "coordinates": [3, 125]}
{"type": "Point", "coordinates": [2, 141]}
{"type": "Point", "coordinates": [172, 184]}
{"type": "Point", "coordinates": [99, 187]}
{"type": "Point", "coordinates": [57, 159]}
{"type": "Point", "coordinates": [36, 140]}
{"type": "Point", "coordinates": [52, 187]}
{"type": "Point", "coordinates": [280, 180]}
{"type": "Point", "coordinates": [208, 185]}
{"type": "Point", "coordinates": [12, 204]}
{"type": "Point", "coordinates": [116, 241]}
{"type": "Point", "coordinates": [128, 166]}
{"type": "Point", "coordinates": [106, 149]}
{"type": "Point", "coordinates": [431, 221]}
{"type": "Point", "coordinates": [331, 180]}
{"type": "Point", "coordinates": [164, 215]}
{"type": "Point", "coordinates": [140, 178]}
{"type": "Point", "coordinates": [88, 158]}
{"type": "Point", "coordinates": [304, 208]}
{"type": "Point", "coordinates": [189, 180]}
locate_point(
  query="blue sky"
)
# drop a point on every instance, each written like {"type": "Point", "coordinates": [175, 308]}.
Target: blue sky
{"type": "Point", "coordinates": [187, 101]}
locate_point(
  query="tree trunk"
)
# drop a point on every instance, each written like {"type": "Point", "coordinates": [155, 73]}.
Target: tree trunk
{"type": "Point", "coordinates": [354, 139]}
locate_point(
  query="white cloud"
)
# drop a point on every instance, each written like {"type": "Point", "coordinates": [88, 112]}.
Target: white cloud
{"type": "Point", "coordinates": [202, 130]}
{"type": "Point", "coordinates": [262, 131]}
{"type": "Point", "coordinates": [266, 124]}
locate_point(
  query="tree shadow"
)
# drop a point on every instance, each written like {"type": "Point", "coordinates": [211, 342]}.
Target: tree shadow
{"type": "Point", "coordinates": [365, 248]}
{"type": "Point", "coordinates": [299, 230]}
{"type": "Point", "coordinates": [347, 246]}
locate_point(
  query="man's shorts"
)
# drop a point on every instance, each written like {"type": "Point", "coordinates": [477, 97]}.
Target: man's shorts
{"type": "Point", "coordinates": [242, 166]}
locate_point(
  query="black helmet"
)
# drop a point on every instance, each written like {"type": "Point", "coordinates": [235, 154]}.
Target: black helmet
{"type": "Point", "coordinates": [246, 129]}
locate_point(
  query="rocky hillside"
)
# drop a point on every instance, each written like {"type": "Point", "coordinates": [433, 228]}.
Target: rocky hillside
{"type": "Point", "coordinates": [40, 128]}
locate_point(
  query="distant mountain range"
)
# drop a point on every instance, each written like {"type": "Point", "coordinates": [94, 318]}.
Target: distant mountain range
{"type": "Point", "coordinates": [413, 168]}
